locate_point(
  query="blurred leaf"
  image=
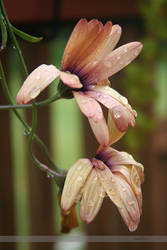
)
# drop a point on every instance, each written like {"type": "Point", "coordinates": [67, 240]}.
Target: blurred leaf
{"type": "Point", "coordinates": [3, 32]}
{"type": "Point", "coordinates": [26, 36]}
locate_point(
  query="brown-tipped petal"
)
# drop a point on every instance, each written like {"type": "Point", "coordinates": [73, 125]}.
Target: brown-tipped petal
{"type": "Point", "coordinates": [82, 36]}
{"type": "Point", "coordinates": [100, 130]}
{"type": "Point", "coordinates": [103, 45]}
{"type": "Point", "coordinates": [69, 221]}
{"type": "Point", "coordinates": [95, 50]}
{"type": "Point", "coordinates": [114, 62]}
{"type": "Point", "coordinates": [92, 198]}
{"type": "Point", "coordinates": [70, 80]}
{"type": "Point", "coordinates": [132, 217]}
{"type": "Point", "coordinates": [108, 182]}
{"type": "Point", "coordinates": [114, 133]}
{"type": "Point", "coordinates": [75, 180]}
{"type": "Point", "coordinates": [36, 82]}
{"type": "Point", "coordinates": [88, 106]}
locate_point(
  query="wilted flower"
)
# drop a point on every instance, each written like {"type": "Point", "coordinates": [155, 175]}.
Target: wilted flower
{"type": "Point", "coordinates": [87, 62]}
{"type": "Point", "coordinates": [111, 173]}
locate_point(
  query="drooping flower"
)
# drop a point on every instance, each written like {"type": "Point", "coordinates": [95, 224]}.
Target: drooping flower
{"type": "Point", "coordinates": [112, 173]}
{"type": "Point", "coordinates": [88, 61]}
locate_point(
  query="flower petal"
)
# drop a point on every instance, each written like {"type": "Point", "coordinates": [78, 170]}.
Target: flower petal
{"type": "Point", "coordinates": [114, 62]}
{"type": "Point", "coordinates": [82, 36]}
{"type": "Point", "coordinates": [130, 209]}
{"type": "Point", "coordinates": [75, 180]}
{"type": "Point", "coordinates": [116, 158]}
{"type": "Point", "coordinates": [36, 82]}
{"type": "Point", "coordinates": [92, 198]}
{"type": "Point", "coordinates": [95, 49]}
{"type": "Point", "coordinates": [71, 80]}
{"type": "Point", "coordinates": [100, 130]}
{"type": "Point", "coordinates": [88, 106]}
{"type": "Point", "coordinates": [102, 46]}
{"type": "Point", "coordinates": [108, 182]}
{"type": "Point", "coordinates": [114, 133]}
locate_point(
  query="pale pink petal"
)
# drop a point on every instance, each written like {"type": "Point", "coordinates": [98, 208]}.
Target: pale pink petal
{"type": "Point", "coordinates": [108, 182]}
{"type": "Point", "coordinates": [102, 46]}
{"type": "Point", "coordinates": [106, 94]}
{"type": "Point", "coordinates": [100, 130]}
{"type": "Point", "coordinates": [81, 38]}
{"type": "Point", "coordinates": [70, 80]}
{"type": "Point", "coordinates": [88, 106]}
{"type": "Point", "coordinates": [92, 198]}
{"type": "Point", "coordinates": [114, 62]}
{"type": "Point", "coordinates": [36, 82]}
{"type": "Point", "coordinates": [131, 215]}
{"type": "Point", "coordinates": [121, 113]}
{"type": "Point", "coordinates": [75, 180]}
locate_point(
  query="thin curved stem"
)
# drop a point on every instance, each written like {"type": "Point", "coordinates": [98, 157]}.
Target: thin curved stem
{"type": "Point", "coordinates": [27, 127]}
{"type": "Point", "coordinates": [59, 178]}
{"type": "Point", "coordinates": [13, 38]}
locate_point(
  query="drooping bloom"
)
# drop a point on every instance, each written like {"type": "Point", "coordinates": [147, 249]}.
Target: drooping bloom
{"type": "Point", "coordinates": [88, 61]}
{"type": "Point", "coordinates": [112, 173]}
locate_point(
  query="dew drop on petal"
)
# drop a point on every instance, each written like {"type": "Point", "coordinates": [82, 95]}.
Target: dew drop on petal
{"type": "Point", "coordinates": [123, 99]}
{"type": "Point", "coordinates": [108, 64]}
{"type": "Point", "coordinates": [79, 178]}
{"type": "Point", "coordinates": [118, 57]}
{"type": "Point", "coordinates": [79, 167]}
{"type": "Point", "coordinates": [38, 77]}
{"type": "Point", "coordinates": [125, 49]}
{"type": "Point", "coordinates": [35, 92]}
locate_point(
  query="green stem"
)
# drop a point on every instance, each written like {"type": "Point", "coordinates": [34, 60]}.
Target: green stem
{"type": "Point", "coordinates": [38, 104]}
{"type": "Point", "coordinates": [27, 127]}
{"type": "Point", "coordinates": [59, 178]}
{"type": "Point", "coordinates": [13, 38]}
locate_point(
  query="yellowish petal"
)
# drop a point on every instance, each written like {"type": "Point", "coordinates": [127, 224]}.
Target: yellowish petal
{"type": "Point", "coordinates": [36, 82]}
{"type": "Point", "coordinates": [75, 180]}
{"type": "Point", "coordinates": [114, 133]}
{"type": "Point", "coordinates": [92, 198]}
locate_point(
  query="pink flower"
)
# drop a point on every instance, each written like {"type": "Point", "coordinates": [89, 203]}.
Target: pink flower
{"type": "Point", "coordinates": [112, 173]}
{"type": "Point", "coordinates": [88, 61]}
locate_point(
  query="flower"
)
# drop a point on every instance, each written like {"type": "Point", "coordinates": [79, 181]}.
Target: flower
{"type": "Point", "coordinates": [87, 62]}
{"type": "Point", "coordinates": [111, 173]}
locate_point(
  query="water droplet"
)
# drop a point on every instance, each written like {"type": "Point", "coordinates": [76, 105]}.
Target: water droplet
{"type": "Point", "coordinates": [79, 167]}
{"type": "Point", "coordinates": [108, 64]}
{"type": "Point", "coordinates": [125, 49]}
{"type": "Point", "coordinates": [117, 114]}
{"type": "Point", "coordinates": [118, 57]}
{"type": "Point", "coordinates": [123, 99]}
{"type": "Point", "coordinates": [26, 132]}
{"type": "Point", "coordinates": [124, 189]}
{"type": "Point", "coordinates": [35, 92]}
{"type": "Point", "coordinates": [38, 77]}
{"type": "Point", "coordinates": [90, 204]}
{"type": "Point", "coordinates": [13, 47]}
{"type": "Point", "coordinates": [131, 203]}
{"type": "Point", "coordinates": [136, 53]}
{"type": "Point", "coordinates": [79, 178]}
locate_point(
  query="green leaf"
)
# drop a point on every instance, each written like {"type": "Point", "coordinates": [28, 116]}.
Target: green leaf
{"type": "Point", "coordinates": [26, 36]}
{"type": "Point", "coordinates": [3, 32]}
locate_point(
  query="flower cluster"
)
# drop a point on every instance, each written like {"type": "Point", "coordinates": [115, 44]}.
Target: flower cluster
{"type": "Point", "coordinates": [88, 61]}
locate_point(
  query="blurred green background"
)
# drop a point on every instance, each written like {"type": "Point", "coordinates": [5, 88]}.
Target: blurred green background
{"type": "Point", "coordinates": [28, 203]}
